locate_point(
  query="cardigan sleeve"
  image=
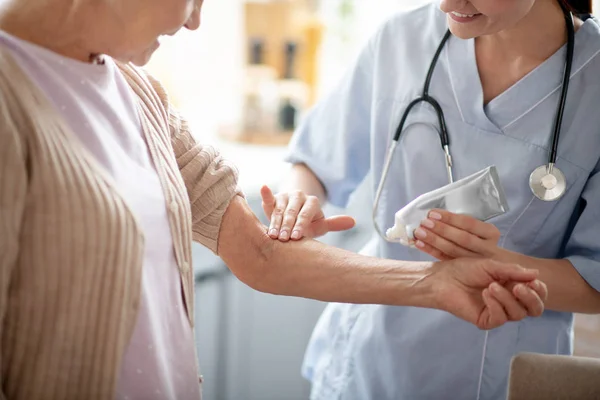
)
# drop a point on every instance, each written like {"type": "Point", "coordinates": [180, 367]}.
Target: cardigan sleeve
{"type": "Point", "coordinates": [211, 181]}
{"type": "Point", "coordinates": [13, 191]}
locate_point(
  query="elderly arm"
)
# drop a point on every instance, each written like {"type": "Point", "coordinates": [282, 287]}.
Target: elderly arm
{"type": "Point", "coordinates": [311, 269]}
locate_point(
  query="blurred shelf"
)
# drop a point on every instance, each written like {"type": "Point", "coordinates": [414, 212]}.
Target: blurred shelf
{"type": "Point", "coordinates": [257, 138]}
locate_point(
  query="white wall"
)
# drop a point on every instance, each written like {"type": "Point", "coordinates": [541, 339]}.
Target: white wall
{"type": "Point", "coordinates": [203, 69]}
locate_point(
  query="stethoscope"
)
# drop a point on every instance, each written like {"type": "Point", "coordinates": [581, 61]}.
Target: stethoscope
{"type": "Point", "coordinates": [547, 182]}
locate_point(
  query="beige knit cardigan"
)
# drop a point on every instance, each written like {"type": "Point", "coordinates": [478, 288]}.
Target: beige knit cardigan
{"type": "Point", "coordinates": [70, 248]}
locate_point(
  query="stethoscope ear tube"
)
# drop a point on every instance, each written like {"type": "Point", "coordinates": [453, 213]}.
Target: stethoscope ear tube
{"type": "Point", "coordinates": [386, 169]}
{"type": "Point", "coordinates": [565, 86]}
{"type": "Point", "coordinates": [400, 127]}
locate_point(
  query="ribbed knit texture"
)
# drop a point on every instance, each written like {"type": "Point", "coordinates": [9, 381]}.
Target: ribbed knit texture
{"type": "Point", "coordinates": [70, 249]}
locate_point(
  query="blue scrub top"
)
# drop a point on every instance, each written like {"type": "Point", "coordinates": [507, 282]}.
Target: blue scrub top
{"type": "Point", "coordinates": [371, 352]}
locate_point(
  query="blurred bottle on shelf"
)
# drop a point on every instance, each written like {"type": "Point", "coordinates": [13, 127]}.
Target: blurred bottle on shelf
{"type": "Point", "coordinates": [293, 92]}
{"type": "Point", "coordinates": [312, 36]}
{"type": "Point", "coordinates": [260, 95]}
{"type": "Point", "coordinates": [283, 39]}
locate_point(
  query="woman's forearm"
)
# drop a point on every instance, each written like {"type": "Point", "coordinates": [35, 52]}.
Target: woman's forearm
{"type": "Point", "coordinates": [567, 290]}
{"type": "Point", "coordinates": [311, 269]}
{"type": "Point", "coordinates": [306, 268]}
{"type": "Point", "coordinates": [334, 275]}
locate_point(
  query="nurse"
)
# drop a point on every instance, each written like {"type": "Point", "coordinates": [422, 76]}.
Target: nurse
{"type": "Point", "coordinates": [498, 80]}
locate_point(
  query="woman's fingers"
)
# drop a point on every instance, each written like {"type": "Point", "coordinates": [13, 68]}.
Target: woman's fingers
{"type": "Point", "coordinates": [504, 272]}
{"type": "Point", "coordinates": [529, 299]}
{"type": "Point", "coordinates": [540, 288]}
{"type": "Point", "coordinates": [496, 313]}
{"type": "Point", "coordinates": [514, 309]}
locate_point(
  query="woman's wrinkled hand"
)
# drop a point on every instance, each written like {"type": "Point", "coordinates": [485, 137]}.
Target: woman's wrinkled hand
{"type": "Point", "coordinates": [447, 236]}
{"type": "Point", "coordinates": [476, 290]}
{"type": "Point", "coordinates": [296, 215]}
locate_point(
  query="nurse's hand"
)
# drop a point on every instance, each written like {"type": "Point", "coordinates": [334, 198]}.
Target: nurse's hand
{"type": "Point", "coordinates": [445, 236]}
{"type": "Point", "coordinates": [474, 289]}
{"type": "Point", "coordinates": [296, 215]}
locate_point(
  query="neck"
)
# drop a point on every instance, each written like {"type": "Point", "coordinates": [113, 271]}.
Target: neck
{"type": "Point", "coordinates": [62, 26]}
{"type": "Point", "coordinates": [534, 38]}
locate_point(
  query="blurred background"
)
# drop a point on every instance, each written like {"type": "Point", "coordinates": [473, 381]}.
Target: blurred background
{"type": "Point", "coordinates": [244, 81]}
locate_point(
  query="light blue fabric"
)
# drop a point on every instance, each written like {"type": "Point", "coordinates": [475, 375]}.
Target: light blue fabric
{"type": "Point", "coordinates": [373, 352]}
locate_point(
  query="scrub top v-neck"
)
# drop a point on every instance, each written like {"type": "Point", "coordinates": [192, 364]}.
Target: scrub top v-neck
{"type": "Point", "coordinates": [523, 96]}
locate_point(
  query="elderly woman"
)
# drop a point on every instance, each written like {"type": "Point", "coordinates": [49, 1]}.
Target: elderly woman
{"type": "Point", "coordinates": [103, 189]}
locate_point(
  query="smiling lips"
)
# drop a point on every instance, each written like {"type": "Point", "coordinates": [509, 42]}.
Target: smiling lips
{"type": "Point", "coordinates": [459, 17]}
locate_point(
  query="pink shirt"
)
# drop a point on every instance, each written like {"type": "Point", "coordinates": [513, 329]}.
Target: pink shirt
{"type": "Point", "coordinates": [160, 362]}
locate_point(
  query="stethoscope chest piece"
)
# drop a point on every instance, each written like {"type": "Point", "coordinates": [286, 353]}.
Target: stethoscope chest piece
{"type": "Point", "coordinates": [548, 183]}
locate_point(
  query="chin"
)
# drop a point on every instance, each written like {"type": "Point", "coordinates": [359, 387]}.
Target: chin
{"type": "Point", "coordinates": [140, 59]}
{"type": "Point", "coordinates": [461, 31]}
{"type": "Point", "coordinates": [461, 34]}
{"type": "Point", "coordinates": [136, 57]}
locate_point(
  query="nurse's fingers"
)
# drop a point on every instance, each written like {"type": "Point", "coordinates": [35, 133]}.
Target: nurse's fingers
{"type": "Point", "coordinates": [268, 201]}
{"type": "Point", "coordinates": [339, 223]}
{"type": "Point", "coordinates": [482, 229]}
{"type": "Point", "coordinates": [514, 310]}
{"type": "Point", "coordinates": [277, 215]}
{"type": "Point", "coordinates": [495, 316]}
{"type": "Point", "coordinates": [462, 238]}
{"type": "Point", "coordinates": [295, 203]}
{"type": "Point", "coordinates": [309, 213]}
{"type": "Point", "coordinates": [529, 299]}
{"type": "Point", "coordinates": [425, 236]}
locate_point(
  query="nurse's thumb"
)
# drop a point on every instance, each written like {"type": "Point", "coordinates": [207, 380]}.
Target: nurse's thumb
{"type": "Point", "coordinates": [340, 223]}
{"type": "Point", "coordinates": [268, 200]}
{"type": "Point", "coordinates": [267, 195]}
